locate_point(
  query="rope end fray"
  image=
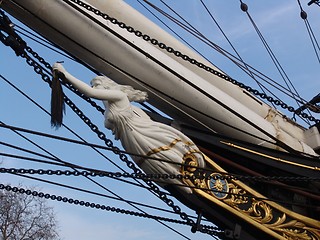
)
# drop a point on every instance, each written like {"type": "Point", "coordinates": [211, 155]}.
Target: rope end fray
{"type": "Point", "coordinates": [57, 100]}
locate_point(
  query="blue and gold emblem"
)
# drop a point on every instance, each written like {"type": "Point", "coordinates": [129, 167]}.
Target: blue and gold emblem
{"type": "Point", "coordinates": [218, 186]}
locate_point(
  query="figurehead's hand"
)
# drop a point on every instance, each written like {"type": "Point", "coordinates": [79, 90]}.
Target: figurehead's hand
{"type": "Point", "coordinates": [58, 67]}
{"type": "Point", "coordinates": [59, 71]}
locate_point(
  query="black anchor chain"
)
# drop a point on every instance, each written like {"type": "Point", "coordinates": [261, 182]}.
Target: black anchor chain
{"type": "Point", "coordinates": [143, 176]}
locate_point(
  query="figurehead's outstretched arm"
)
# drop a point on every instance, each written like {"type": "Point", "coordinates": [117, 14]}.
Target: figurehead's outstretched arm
{"type": "Point", "coordinates": [87, 90]}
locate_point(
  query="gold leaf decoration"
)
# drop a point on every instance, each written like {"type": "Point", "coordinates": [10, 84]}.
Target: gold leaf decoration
{"type": "Point", "coordinates": [265, 215]}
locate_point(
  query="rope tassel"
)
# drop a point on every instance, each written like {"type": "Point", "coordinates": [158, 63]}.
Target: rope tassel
{"type": "Point", "coordinates": [57, 101]}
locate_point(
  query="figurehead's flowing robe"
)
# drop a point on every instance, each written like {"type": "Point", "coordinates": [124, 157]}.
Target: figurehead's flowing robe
{"type": "Point", "coordinates": [141, 135]}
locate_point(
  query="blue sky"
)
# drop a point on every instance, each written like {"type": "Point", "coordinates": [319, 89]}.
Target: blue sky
{"type": "Point", "coordinates": [282, 27]}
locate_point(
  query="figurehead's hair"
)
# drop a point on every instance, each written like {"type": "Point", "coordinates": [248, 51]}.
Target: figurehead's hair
{"type": "Point", "coordinates": [133, 94]}
{"type": "Point", "coordinates": [57, 100]}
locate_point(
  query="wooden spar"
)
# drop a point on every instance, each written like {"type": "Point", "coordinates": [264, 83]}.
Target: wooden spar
{"type": "Point", "coordinates": [125, 55]}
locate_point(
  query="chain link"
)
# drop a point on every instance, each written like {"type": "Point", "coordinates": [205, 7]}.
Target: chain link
{"type": "Point", "coordinates": [177, 53]}
{"type": "Point", "coordinates": [143, 176]}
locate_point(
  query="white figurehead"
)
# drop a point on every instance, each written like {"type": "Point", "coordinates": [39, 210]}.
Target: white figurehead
{"type": "Point", "coordinates": [137, 132]}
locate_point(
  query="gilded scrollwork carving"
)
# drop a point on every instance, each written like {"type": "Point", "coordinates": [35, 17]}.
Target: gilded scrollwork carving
{"type": "Point", "coordinates": [249, 205]}
{"type": "Point", "coordinates": [237, 196]}
{"type": "Point", "coordinates": [293, 229]}
{"type": "Point", "coordinates": [260, 211]}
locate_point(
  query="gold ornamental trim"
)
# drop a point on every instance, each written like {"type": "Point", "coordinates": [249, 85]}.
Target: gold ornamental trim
{"type": "Point", "coordinates": [167, 147]}
{"type": "Point", "coordinates": [251, 206]}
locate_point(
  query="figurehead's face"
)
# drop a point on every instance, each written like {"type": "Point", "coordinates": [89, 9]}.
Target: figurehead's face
{"type": "Point", "coordinates": [102, 82]}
